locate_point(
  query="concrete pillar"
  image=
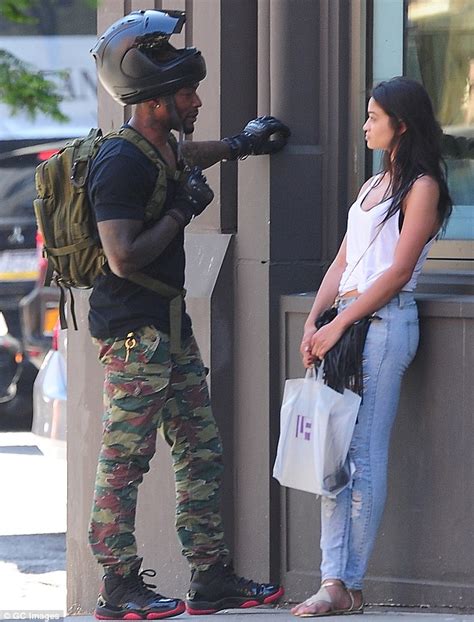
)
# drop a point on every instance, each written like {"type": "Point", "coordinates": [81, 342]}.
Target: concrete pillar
{"type": "Point", "coordinates": [210, 302]}
{"type": "Point", "coordinates": [85, 380]}
{"type": "Point", "coordinates": [278, 249]}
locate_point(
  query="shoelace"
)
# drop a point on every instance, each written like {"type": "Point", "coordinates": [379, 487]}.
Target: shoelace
{"type": "Point", "coordinates": [138, 586]}
{"type": "Point", "coordinates": [240, 581]}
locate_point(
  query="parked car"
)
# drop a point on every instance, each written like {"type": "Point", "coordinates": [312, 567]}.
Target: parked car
{"type": "Point", "coordinates": [25, 341]}
{"type": "Point", "coordinates": [50, 398]}
{"type": "Point", "coordinates": [39, 312]}
{"type": "Point", "coordinates": [19, 250]}
{"type": "Point", "coordinates": [17, 375]}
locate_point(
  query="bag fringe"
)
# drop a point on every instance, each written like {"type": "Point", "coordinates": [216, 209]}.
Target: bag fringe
{"type": "Point", "coordinates": [343, 362]}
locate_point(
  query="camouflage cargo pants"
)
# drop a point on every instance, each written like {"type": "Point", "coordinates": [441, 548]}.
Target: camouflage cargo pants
{"type": "Point", "coordinates": [148, 390]}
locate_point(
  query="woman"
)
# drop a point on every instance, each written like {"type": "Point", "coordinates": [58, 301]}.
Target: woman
{"type": "Point", "coordinates": [391, 227]}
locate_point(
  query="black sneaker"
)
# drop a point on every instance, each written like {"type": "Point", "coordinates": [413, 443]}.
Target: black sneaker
{"type": "Point", "coordinates": [220, 588]}
{"type": "Point", "coordinates": [130, 598]}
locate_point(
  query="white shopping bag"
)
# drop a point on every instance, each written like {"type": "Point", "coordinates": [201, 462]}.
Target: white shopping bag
{"type": "Point", "coordinates": [316, 428]}
{"type": "Point", "coordinates": [54, 379]}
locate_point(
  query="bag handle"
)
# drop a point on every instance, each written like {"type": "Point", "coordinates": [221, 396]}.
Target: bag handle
{"type": "Point", "coordinates": [316, 374]}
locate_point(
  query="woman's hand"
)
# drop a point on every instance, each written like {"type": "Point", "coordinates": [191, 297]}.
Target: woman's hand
{"type": "Point", "coordinates": [305, 347]}
{"type": "Point", "coordinates": [325, 338]}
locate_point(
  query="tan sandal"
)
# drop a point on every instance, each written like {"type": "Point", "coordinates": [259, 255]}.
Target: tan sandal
{"type": "Point", "coordinates": [323, 596]}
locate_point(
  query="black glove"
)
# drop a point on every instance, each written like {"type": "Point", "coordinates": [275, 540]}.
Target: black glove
{"type": "Point", "coordinates": [192, 197]}
{"type": "Point", "coordinates": [260, 136]}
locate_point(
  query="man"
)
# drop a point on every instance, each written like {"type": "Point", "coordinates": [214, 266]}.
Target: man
{"type": "Point", "coordinates": [143, 197]}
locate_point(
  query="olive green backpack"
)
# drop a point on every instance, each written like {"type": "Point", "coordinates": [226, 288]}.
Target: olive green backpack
{"type": "Point", "coordinates": [66, 220]}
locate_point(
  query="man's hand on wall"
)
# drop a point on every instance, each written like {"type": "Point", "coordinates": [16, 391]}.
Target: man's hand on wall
{"type": "Point", "coordinates": [263, 135]}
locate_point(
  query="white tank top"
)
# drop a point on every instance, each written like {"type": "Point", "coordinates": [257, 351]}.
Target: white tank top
{"type": "Point", "coordinates": [370, 249]}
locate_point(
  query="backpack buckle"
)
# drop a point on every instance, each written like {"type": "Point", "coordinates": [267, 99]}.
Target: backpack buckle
{"type": "Point", "coordinates": [79, 173]}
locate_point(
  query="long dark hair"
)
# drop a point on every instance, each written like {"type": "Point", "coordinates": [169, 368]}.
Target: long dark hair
{"type": "Point", "coordinates": [417, 151]}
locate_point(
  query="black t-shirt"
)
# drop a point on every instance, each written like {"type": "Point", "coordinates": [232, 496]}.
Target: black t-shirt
{"type": "Point", "coordinates": [121, 182]}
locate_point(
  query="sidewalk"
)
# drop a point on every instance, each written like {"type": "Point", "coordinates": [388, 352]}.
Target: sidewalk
{"type": "Point", "coordinates": [374, 614]}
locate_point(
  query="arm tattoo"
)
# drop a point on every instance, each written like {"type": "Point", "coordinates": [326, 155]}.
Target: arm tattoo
{"type": "Point", "coordinates": [204, 153]}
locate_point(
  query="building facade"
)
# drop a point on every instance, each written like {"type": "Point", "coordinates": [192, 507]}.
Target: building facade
{"type": "Point", "coordinates": [274, 227]}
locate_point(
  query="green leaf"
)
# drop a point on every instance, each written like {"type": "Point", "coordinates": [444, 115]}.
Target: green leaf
{"type": "Point", "coordinates": [23, 89]}
{"type": "Point", "coordinates": [17, 11]}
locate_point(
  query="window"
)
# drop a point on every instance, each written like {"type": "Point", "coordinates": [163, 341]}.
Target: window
{"type": "Point", "coordinates": [432, 41]}
{"type": "Point", "coordinates": [439, 52]}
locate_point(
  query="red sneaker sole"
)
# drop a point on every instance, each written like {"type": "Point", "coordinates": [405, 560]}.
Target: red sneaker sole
{"type": "Point", "coordinates": [274, 597]}
{"type": "Point", "coordinates": [150, 616]}
{"type": "Point", "coordinates": [246, 605]}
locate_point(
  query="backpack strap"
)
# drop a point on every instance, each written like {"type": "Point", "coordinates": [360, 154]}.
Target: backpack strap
{"type": "Point", "coordinates": [82, 157]}
{"type": "Point", "coordinates": [175, 296]}
{"type": "Point", "coordinates": [155, 204]}
{"type": "Point", "coordinates": [62, 305]}
{"type": "Point", "coordinates": [140, 142]}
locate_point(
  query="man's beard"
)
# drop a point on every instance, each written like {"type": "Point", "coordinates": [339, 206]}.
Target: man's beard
{"type": "Point", "coordinates": [188, 129]}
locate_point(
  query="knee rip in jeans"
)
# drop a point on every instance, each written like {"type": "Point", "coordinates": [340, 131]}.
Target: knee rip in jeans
{"type": "Point", "coordinates": [356, 503]}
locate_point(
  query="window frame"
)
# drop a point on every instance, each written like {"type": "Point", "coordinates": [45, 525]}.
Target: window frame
{"type": "Point", "coordinates": [454, 255]}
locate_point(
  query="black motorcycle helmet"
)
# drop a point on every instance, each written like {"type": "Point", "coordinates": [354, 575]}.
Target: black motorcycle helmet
{"type": "Point", "coordinates": [136, 63]}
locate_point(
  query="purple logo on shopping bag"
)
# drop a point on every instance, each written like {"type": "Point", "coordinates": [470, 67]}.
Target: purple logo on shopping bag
{"type": "Point", "coordinates": [303, 427]}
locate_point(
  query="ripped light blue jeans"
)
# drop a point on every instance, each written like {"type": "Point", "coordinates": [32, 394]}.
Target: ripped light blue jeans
{"type": "Point", "coordinates": [349, 523]}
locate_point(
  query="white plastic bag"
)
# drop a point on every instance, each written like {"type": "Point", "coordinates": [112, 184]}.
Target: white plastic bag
{"type": "Point", "coordinates": [54, 379]}
{"type": "Point", "coordinates": [316, 428]}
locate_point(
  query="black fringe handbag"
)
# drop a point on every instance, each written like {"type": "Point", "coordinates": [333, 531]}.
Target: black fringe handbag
{"type": "Point", "coordinates": [343, 362]}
